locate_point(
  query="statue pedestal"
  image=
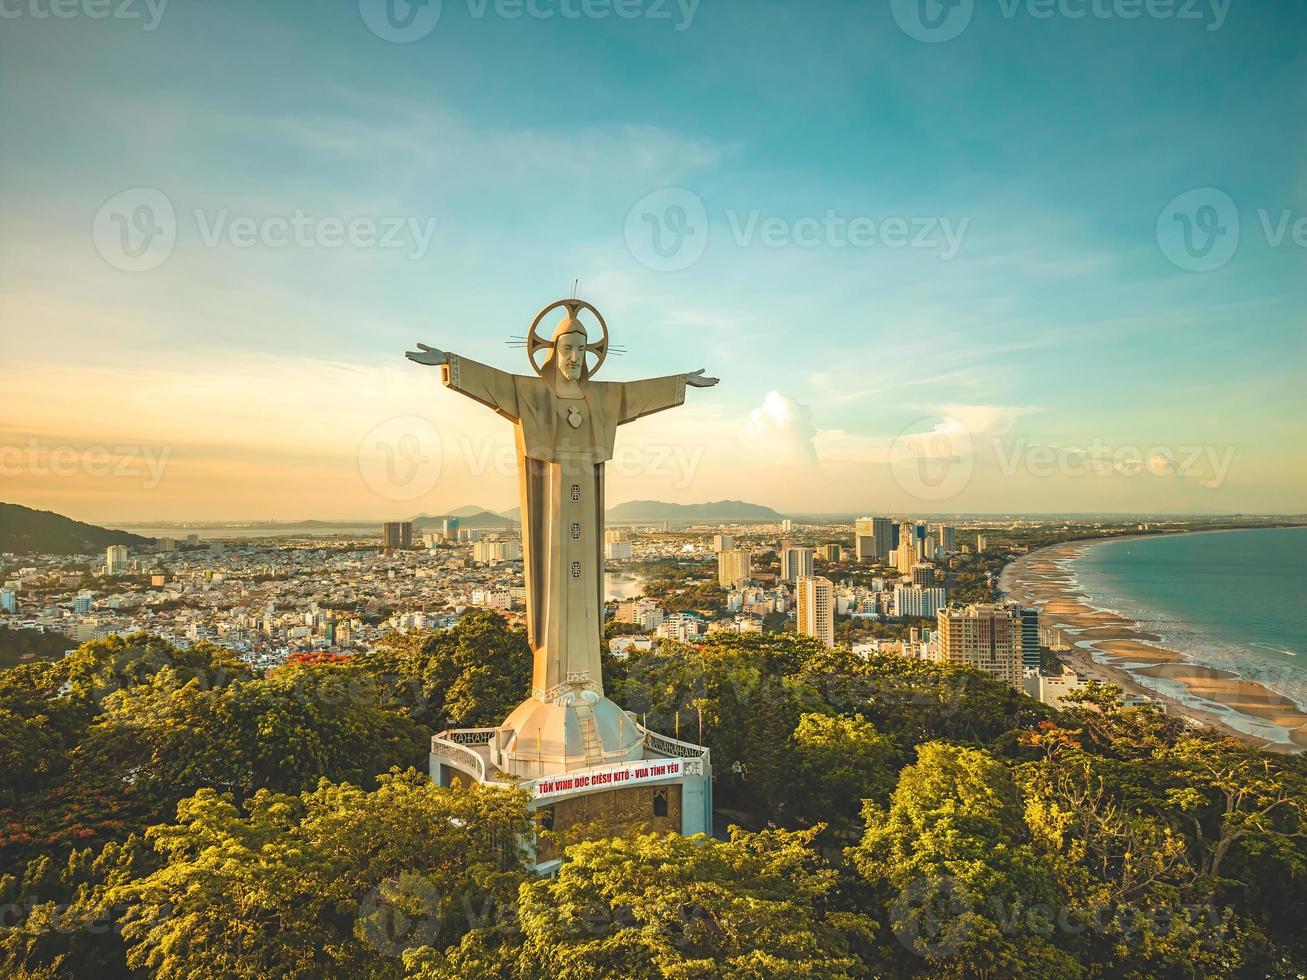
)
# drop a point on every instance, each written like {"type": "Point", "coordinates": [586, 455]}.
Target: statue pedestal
{"type": "Point", "coordinates": [580, 729]}
{"type": "Point", "coordinates": [588, 766]}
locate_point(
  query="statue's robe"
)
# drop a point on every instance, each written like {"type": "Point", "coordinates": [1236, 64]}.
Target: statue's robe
{"type": "Point", "coordinates": [561, 477]}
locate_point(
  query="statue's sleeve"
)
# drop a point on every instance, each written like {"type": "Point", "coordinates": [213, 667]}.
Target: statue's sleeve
{"type": "Point", "coordinates": [480, 382]}
{"type": "Point", "coordinates": [641, 398]}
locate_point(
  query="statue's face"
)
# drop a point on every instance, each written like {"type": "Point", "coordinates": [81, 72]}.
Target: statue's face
{"type": "Point", "coordinates": [569, 355]}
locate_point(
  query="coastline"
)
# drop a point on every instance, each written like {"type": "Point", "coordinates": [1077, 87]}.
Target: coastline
{"type": "Point", "coordinates": [1109, 647]}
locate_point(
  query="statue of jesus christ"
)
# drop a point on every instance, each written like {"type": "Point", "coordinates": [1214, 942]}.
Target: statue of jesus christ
{"type": "Point", "coordinates": [566, 426]}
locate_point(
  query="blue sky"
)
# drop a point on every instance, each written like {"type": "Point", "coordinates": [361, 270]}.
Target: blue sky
{"type": "Point", "coordinates": [1020, 368]}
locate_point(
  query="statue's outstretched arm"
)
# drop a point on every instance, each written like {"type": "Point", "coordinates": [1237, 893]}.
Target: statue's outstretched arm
{"type": "Point", "coordinates": [641, 398]}
{"type": "Point", "coordinates": [480, 382]}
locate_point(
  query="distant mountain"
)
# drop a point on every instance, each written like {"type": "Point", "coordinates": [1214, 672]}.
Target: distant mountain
{"type": "Point", "coordinates": [719, 511]}
{"type": "Point", "coordinates": [472, 518]}
{"type": "Point", "coordinates": [25, 530]}
{"type": "Point", "coordinates": [470, 510]}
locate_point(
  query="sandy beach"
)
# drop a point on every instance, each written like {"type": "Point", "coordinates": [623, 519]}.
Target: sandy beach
{"type": "Point", "coordinates": [1111, 648]}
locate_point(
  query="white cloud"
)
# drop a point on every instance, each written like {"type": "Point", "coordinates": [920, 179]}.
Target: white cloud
{"type": "Point", "coordinates": [783, 427]}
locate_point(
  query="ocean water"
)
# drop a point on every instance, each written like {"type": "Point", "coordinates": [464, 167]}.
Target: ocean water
{"type": "Point", "coordinates": [1236, 600]}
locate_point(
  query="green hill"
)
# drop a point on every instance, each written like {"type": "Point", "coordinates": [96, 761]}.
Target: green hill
{"type": "Point", "coordinates": [24, 530]}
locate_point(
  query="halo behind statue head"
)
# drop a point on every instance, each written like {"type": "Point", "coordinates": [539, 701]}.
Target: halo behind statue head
{"type": "Point", "coordinates": [535, 343]}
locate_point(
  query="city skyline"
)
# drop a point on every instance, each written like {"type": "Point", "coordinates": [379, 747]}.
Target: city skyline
{"type": "Point", "coordinates": [1045, 350]}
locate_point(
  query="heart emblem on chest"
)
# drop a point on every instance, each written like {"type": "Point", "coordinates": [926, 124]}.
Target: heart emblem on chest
{"type": "Point", "coordinates": [574, 418]}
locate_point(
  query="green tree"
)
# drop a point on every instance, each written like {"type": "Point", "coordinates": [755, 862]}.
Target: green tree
{"type": "Point", "coordinates": [473, 674]}
{"type": "Point", "coordinates": [837, 763]}
{"type": "Point", "coordinates": [756, 906]}
{"type": "Point", "coordinates": [336, 882]}
{"type": "Point", "coordinates": [953, 873]}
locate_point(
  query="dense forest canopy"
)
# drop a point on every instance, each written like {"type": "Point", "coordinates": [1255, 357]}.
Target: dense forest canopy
{"type": "Point", "coordinates": [169, 813]}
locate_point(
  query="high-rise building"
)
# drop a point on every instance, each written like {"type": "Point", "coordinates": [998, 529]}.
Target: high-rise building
{"type": "Point", "coordinates": [116, 559]}
{"type": "Point", "coordinates": [796, 563]}
{"type": "Point", "coordinates": [448, 526]}
{"type": "Point", "coordinates": [617, 550]}
{"type": "Point", "coordinates": [830, 552]}
{"type": "Point", "coordinates": [915, 601]}
{"type": "Point", "coordinates": [924, 548]}
{"type": "Point", "coordinates": [924, 575]}
{"type": "Point", "coordinates": [881, 532]}
{"type": "Point", "coordinates": [816, 612]}
{"type": "Point", "coordinates": [905, 558]}
{"type": "Point", "coordinates": [82, 603]}
{"type": "Point", "coordinates": [946, 538]}
{"type": "Point", "coordinates": [644, 613]}
{"type": "Point", "coordinates": [723, 542]}
{"type": "Point", "coordinates": [495, 552]}
{"type": "Point", "coordinates": [397, 534]}
{"type": "Point", "coordinates": [165, 545]}
{"type": "Point", "coordinates": [988, 637]}
{"type": "Point", "coordinates": [981, 544]}
{"type": "Point", "coordinates": [787, 526]}
{"type": "Point", "coordinates": [1029, 637]}
{"type": "Point", "coordinates": [8, 601]}
{"type": "Point", "coordinates": [733, 565]}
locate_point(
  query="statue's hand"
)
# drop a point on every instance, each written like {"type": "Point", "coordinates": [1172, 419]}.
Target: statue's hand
{"type": "Point", "coordinates": [427, 355]}
{"type": "Point", "coordinates": [696, 379]}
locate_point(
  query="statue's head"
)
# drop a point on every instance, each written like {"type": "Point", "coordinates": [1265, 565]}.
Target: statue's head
{"type": "Point", "coordinates": [570, 339]}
